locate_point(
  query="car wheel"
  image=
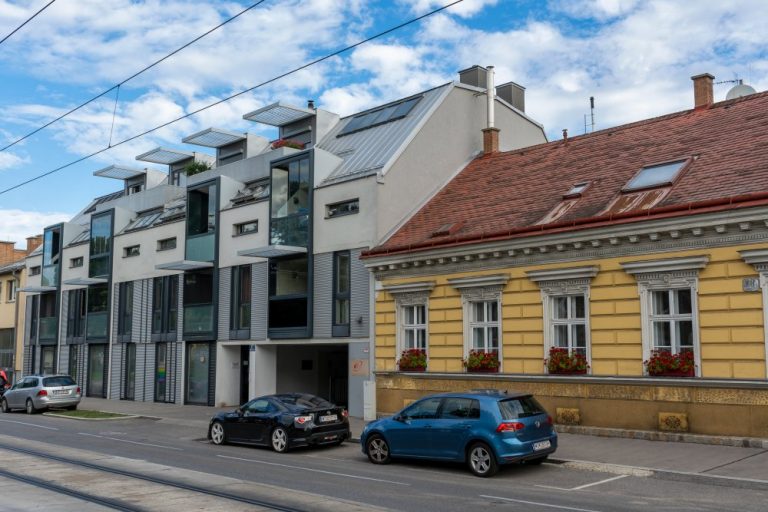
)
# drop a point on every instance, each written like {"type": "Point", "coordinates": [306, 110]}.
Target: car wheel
{"type": "Point", "coordinates": [72, 408]}
{"type": "Point", "coordinates": [4, 405]}
{"type": "Point", "coordinates": [218, 436]}
{"type": "Point", "coordinates": [377, 449]}
{"type": "Point", "coordinates": [481, 460]}
{"type": "Point", "coordinates": [280, 440]}
{"type": "Point", "coordinates": [30, 407]}
{"type": "Point", "coordinates": [537, 460]}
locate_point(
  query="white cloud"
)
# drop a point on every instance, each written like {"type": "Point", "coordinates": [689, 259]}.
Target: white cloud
{"type": "Point", "coordinates": [17, 225]}
{"type": "Point", "coordinates": [465, 9]}
{"type": "Point", "coordinates": [10, 160]}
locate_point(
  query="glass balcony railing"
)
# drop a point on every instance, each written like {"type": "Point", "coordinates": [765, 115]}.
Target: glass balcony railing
{"type": "Point", "coordinates": [291, 230]}
{"type": "Point", "coordinates": [50, 275]}
{"type": "Point", "coordinates": [97, 325]}
{"type": "Point", "coordinates": [201, 247]}
{"type": "Point", "coordinates": [198, 319]}
{"type": "Point", "coordinates": [48, 328]}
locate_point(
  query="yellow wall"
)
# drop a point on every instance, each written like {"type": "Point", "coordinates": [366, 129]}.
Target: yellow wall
{"type": "Point", "coordinates": [731, 321]}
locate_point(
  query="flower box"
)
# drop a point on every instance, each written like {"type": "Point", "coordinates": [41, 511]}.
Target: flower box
{"type": "Point", "coordinates": [479, 361]}
{"type": "Point", "coordinates": [563, 362]}
{"type": "Point", "coordinates": [663, 363]}
{"type": "Point", "coordinates": [412, 360]}
{"type": "Point", "coordinates": [674, 373]}
{"type": "Point", "coordinates": [287, 143]}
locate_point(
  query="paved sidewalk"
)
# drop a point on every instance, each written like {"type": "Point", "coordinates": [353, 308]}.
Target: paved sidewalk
{"type": "Point", "coordinates": [706, 463]}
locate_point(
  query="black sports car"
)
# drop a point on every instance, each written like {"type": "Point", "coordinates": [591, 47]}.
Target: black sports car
{"type": "Point", "coordinates": [282, 421]}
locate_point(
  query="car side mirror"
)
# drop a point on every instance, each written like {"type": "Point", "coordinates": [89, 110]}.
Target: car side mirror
{"type": "Point", "coordinates": [402, 418]}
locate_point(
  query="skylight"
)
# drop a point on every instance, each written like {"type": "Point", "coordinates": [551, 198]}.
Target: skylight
{"type": "Point", "coordinates": [655, 175]}
{"type": "Point", "coordinates": [577, 189]}
{"type": "Point", "coordinates": [382, 115]}
{"type": "Point", "coordinates": [144, 220]}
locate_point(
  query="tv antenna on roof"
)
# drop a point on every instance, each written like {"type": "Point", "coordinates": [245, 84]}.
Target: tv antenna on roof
{"type": "Point", "coordinates": [738, 90]}
{"type": "Point", "coordinates": [592, 115]}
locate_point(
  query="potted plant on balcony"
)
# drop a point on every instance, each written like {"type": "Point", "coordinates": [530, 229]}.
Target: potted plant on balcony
{"type": "Point", "coordinates": [481, 361]}
{"type": "Point", "coordinates": [664, 363]}
{"type": "Point", "coordinates": [563, 362]}
{"type": "Point", "coordinates": [413, 360]}
{"type": "Point", "coordinates": [287, 143]}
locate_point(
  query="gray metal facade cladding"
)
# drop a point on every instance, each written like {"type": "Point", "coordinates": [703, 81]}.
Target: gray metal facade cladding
{"type": "Point", "coordinates": [367, 151]}
{"type": "Point", "coordinates": [322, 303]}
{"type": "Point", "coordinates": [259, 300]}
{"type": "Point", "coordinates": [225, 302]}
{"type": "Point", "coordinates": [360, 306]}
{"type": "Point", "coordinates": [323, 296]}
{"type": "Point", "coordinates": [28, 351]}
{"type": "Point", "coordinates": [117, 375]}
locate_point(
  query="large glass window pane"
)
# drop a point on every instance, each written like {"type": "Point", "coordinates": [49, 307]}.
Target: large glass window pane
{"type": "Point", "coordinates": [288, 313]}
{"type": "Point", "coordinates": [125, 315]}
{"type": "Point", "coordinates": [198, 302]}
{"type": "Point", "coordinates": [198, 363]}
{"type": "Point", "coordinates": [290, 203]}
{"type": "Point", "coordinates": [96, 355]}
{"type": "Point", "coordinates": [201, 210]}
{"type": "Point", "coordinates": [279, 191]}
{"type": "Point", "coordinates": [172, 303]}
{"type": "Point", "coordinates": [48, 317]}
{"type": "Point", "coordinates": [242, 297]}
{"type": "Point", "coordinates": [130, 371]}
{"type": "Point", "coordinates": [51, 257]}
{"type": "Point", "coordinates": [157, 305]}
{"type": "Point", "coordinates": [98, 298]}
{"type": "Point", "coordinates": [289, 276]}
{"type": "Point", "coordinates": [161, 357]}
{"type": "Point", "coordinates": [100, 245]}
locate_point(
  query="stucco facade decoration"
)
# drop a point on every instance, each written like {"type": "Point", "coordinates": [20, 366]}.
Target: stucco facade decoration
{"type": "Point", "coordinates": [684, 277]}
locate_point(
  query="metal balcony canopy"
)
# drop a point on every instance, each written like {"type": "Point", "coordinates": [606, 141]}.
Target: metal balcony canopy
{"type": "Point", "coordinates": [165, 156]}
{"type": "Point", "coordinates": [272, 251]}
{"type": "Point", "coordinates": [184, 265]}
{"type": "Point", "coordinates": [119, 172]}
{"type": "Point", "coordinates": [279, 114]}
{"type": "Point", "coordinates": [213, 138]}
{"type": "Point", "coordinates": [37, 289]}
{"type": "Point", "coordinates": [85, 281]}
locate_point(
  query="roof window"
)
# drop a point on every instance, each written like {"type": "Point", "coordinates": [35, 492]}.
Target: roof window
{"type": "Point", "coordinates": [144, 219]}
{"type": "Point", "coordinates": [385, 114]}
{"type": "Point", "coordinates": [655, 175]}
{"type": "Point", "coordinates": [577, 189]}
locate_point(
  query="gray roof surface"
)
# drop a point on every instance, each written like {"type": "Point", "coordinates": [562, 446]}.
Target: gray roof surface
{"type": "Point", "coordinates": [10, 267]}
{"type": "Point", "coordinates": [367, 151]}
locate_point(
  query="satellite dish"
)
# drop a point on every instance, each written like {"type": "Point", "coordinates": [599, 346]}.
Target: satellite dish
{"type": "Point", "coordinates": [740, 90]}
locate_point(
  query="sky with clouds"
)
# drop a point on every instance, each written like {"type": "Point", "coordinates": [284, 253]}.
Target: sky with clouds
{"type": "Point", "coordinates": [635, 57]}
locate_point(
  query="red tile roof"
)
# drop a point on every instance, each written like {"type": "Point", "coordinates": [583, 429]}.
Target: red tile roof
{"type": "Point", "coordinates": [504, 195]}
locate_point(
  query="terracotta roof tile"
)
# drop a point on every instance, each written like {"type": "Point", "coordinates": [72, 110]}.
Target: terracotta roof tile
{"type": "Point", "coordinates": [727, 144]}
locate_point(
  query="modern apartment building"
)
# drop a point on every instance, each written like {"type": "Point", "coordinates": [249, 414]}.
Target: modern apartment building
{"type": "Point", "coordinates": [234, 270]}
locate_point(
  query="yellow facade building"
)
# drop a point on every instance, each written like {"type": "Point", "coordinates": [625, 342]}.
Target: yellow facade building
{"type": "Point", "coordinates": [621, 276]}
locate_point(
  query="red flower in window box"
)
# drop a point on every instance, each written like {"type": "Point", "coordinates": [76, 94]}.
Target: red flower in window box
{"type": "Point", "coordinates": [413, 360]}
{"type": "Point", "coordinates": [561, 362]}
{"type": "Point", "coordinates": [480, 361]}
{"type": "Point", "coordinates": [287, 143]}
{"type": "Point", "coordinates": [663, 363]}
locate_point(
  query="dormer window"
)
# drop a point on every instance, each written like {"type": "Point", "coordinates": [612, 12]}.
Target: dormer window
{"type": "Point", "coordinates": [655, 176]}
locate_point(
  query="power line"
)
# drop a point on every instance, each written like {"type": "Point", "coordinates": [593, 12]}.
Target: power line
{"type": "Point", "coordinates": [28, 20]}
{"type": "Point", "coordinates": [117, 86]}
{"type": "Point", "coordinates": [210, 105]}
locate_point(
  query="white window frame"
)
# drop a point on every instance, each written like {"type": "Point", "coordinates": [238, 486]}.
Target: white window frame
{"type": "Point", "coordinates": [11, 290]}
{"type": "Point", "coordinates": [661, 275]}
{"type": "Point", "coordinates": [485, 325]}
{"type": "Point", "coordinates": [405, 327]}
{"type": "Point", "coordinates": [672, 318]}
{"type": "Point", "coordinates": [481, 289]}
{"type": "Point", "coordinates": [758, 258]}
{"type": "Point", "coordinates": [564, 282]}
{"type": "Point", "coordinates": [409, 295]}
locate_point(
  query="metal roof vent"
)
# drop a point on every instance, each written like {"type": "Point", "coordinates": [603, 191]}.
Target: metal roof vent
{"type": "Point", "coordinates": [739, 90]}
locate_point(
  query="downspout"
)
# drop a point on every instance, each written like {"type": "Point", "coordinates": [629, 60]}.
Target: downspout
{"type": "Point", "coordinates": [17, 279]}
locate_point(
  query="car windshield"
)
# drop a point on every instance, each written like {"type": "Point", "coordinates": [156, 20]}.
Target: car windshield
{"type": "Point", "coordinates": [51, 382]}
{"type": "Point", "coordinates": [309, 401]}
{"type": "Point", "coordinates": [523, 407]}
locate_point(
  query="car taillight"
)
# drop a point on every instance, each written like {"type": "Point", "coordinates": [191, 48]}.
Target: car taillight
{"type": "Point", "coordinates": [345, 413]}
{"type": "Point", "coordinates": [510, 426]}
{"type": "Point", "coordinates": [42, 392]}
{"type": "Point", "coordinates": [300, 420]}
{"type": "Point", "coordinates": [549, 420]}
{"type": "Point", "coordinates": [78, 390]}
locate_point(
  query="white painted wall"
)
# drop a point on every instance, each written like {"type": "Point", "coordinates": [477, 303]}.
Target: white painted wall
{"type": "Point", "coordinates": [143, 266]}
{"type": "Point", "coordinates": [338, 233]}
{"type": "Point", "coordinates": [230, 244]}
{"type": "Point", "coordinates": [227, 375]}
{"type": "Point", "coordinates": [264, 370]}
{"type": "Point", "coordinates": [67, 272]}
{"type": "Point", "coordinates": [34, 261]}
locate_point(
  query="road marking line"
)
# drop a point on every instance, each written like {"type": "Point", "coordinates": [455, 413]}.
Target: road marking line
{"type": "Point", "coordinates": [30, 424]}
{"type": "Point", "coordinates": [600, 482]}
{"type": "Point", "coordinates": [131, 442]}
{"type": "Point", "coordinates": [561, 507]}
{"type": "Point", "coordinates": [314, 470]}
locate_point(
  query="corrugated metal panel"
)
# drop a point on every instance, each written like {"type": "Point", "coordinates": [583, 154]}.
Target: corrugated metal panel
{"type": "Point", "coordinates": [149, 375]}
{"type": "Point", "coordinates": [360, 297]}
{"type": "Point", "coordinates": [367, 151]}
{"type": "Point", "coordinates": [172, 372]}
{"type": "Point", "coordinates": [180, 308]}
{"type": "Point", "coordinates": [136, 318]}
{"type": "Point", "coordinates": [211, 373]}
{"type": "Point", "coordinates": [27, 325]}
{"type": "Point", "coordinates": [116, 375]}
{"type": "Point", "coordinates": [225, 301]}
{"type": "Point", "coordinates": [179, 381]}
{"type": "Point", "coordinates": [64, 315]}
{"type": "Point", "coordinates": [63, 365]}
{"type": "Point", "coordinates": [141, 371]}
{"type": "Point", "coordinates": [27, 366]}
{"type": "Point", "coordinates": [259, 300]}
{"type": "Point", "coordinates": [322, 304]}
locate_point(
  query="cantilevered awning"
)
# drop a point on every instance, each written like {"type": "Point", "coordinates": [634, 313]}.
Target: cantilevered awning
{"type": "Point", "coordinates": [165, 156]}
{"type": "Point", "coordinates": [119, 172]}
{"type": "Point", "coordinates": [213, 138]}
{"type": "Point", "coordinates": [279, 114]}
{"type": "Point", "coordinates": [37, 289]}
{"type": "Point", "coordinates": [85, 281]}
{"type": "Point", "coordinates": [272, 251]}
{"type": "Point", "coordinates": [184, 265]}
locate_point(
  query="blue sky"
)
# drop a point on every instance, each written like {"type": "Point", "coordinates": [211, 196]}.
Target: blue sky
{"type": "Point", "coordinates": [635, 57]}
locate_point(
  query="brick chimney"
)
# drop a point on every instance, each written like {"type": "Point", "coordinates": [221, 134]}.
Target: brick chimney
{"type": "Point", "coordinates": [33, 242]}
{"type": "Point", "coordinates": [703, 96]}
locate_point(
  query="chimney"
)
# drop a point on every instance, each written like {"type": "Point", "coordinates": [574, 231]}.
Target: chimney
{"type": "Point", "coordinates": [7, 253]}
{"type": "Point", "coordinates": [311, 104]}
{"type": "Point", "coordinates": [474, 76]}
{"type": "Point", "coordinates": [33, 242]}
{"type": "Point", "coordinates": [513, 94]}
{"type": "Point", "coordinates": [703, 96]}
{"type": "Point", "coordinates": [490, 133]}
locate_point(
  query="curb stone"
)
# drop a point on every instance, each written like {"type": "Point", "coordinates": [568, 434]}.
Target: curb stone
{"type": "Point", "coordinates": [121, 417]}
{"type": "Point", "coordinates": [652, 435]}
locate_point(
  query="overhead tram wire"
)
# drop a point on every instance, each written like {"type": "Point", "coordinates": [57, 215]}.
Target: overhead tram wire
{"type": "Point", "coordinates": [210, 105]}
{"type": "Point", "coordinates": [28, 20]}
{"type": "Point", "coordinates": [117, 86]}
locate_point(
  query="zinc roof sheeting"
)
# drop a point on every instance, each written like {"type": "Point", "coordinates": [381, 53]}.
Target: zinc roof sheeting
{"type": "Point", "coordinates": [369, 150]}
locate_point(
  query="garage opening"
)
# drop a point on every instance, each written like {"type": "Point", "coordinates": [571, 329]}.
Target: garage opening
{"type": "Point", "coordinates": [321, 370]}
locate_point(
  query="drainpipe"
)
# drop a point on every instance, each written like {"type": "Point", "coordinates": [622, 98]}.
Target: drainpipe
{"type": "Point", "coordinates": [17, 279]}
{"type": "Point", "coordinates": [490, 133]}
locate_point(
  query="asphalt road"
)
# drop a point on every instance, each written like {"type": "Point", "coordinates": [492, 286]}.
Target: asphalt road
{"type": "Point", "coordinates": [344, 473]}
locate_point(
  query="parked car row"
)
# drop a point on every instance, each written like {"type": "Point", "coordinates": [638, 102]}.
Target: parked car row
{"type": "Point", "coordinates": [484, 429]}
{"type": "Point", "coordinates": [40, 392]}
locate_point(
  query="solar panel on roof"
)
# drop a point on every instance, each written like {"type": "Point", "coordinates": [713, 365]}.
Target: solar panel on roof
{"type": "Point", "coordinates": [380, 116]}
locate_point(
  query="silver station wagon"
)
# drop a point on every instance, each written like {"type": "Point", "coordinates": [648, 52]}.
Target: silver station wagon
{"type": "Point", "coordinates": [35, 393]}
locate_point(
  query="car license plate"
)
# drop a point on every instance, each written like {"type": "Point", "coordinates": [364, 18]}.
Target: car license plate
{"type": "Point", "coordinates": [60, 392]}
{"type": "Point", "coordinates": [543, 445]}
{"type": "Point", "coordinates": [328, 418]}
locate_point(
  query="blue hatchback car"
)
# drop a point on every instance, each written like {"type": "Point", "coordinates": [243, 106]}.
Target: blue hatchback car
{"type": "Point", "coordinates": [484, 428]}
